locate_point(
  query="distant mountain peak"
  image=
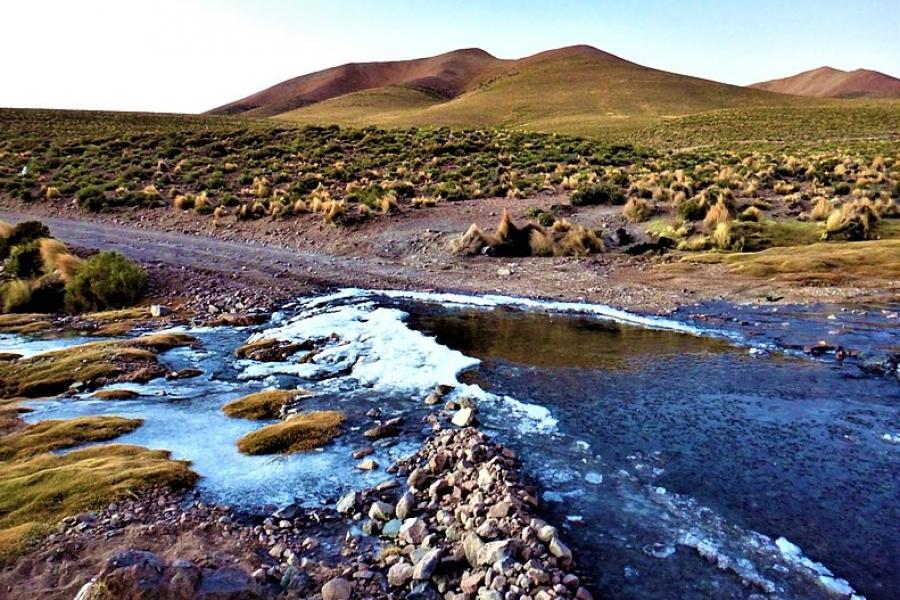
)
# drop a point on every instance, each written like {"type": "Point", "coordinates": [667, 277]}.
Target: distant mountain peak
{"type": "Point", "coordinates": [829, 82]}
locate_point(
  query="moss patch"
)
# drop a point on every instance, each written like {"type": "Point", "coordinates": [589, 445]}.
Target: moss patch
{"type": "Point", "coordinates": [24, 324]}
{"type": "Point", "coordinates": [92, 364]}
{"type": "Point", "coordinates": [54, 434]}
{"type": "Point", "coordinates": [37, 492]}
{"type": "Point", "coordinates": [115, 394]}
{"type": "Point", "coordinates": [261, 405]}
{"type": "Point", "coordinates": [301, 432]}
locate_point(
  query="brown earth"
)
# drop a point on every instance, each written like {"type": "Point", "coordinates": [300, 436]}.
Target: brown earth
{"type": "Point", "coordinates": [827, 82]}
{"type": "Point", "coordinates": [268, 260]}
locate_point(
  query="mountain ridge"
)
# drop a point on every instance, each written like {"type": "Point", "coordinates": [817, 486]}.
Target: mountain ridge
{"type": "Point", "coordinates": [829, 82]}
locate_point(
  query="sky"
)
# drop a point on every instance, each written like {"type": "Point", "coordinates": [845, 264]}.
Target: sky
{"type": "Point", "coordinates": [194, 55]}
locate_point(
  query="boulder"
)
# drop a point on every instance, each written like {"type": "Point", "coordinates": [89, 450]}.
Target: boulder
{"type": "Point", "coordinates": [399, 574]}
{"type": "Point", "coordinates": [426, 565]}
{"type": "Point", "coordinates": [336, 589]}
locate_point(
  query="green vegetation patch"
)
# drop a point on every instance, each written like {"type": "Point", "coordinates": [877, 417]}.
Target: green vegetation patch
{"type": "Point", "coordinates": [53, 434]}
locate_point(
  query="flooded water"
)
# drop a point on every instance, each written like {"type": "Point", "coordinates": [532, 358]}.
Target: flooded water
{"type": "Point", "coordinates": [685, 457]}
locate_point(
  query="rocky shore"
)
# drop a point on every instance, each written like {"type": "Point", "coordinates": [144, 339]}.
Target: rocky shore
{"type": "Point", "coordinates": [457, 521]}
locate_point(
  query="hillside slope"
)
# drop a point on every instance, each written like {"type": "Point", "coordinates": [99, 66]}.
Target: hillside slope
{"type": "Point", "coordinates": [827, 82]}
{"type": "Point", "coordinates": [445, 76]}
{"type": "Point", "coordinates": [578, 90]}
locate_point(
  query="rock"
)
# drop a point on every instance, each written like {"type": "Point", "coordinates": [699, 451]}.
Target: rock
{"type": "Point", "coordinates": [499, 510]}
{"type": "Point", "coordinates": [392, 528]}
{"type": "Point", "coordinates": [362, 453]}
{"type": "Point", "coordinates": [389, 428]}
{"type": "Point", "coordinates": [413, 531]}
{"type": "Point", "coordinates": [493, 552]}
{"type": "Point", "coordinates": [546, 533]}
{"type": "Point", "coordinates": [158, 310]}
{"type": "Point", "coordinates": [560, 551]}
{"type": "Point", "coordinates": [184, 374]}
{"type": "Point", "coordinates": [381, 511]}
{"type": "Point", "coordinates": [399, 574]}
{"type": "Point", "coordinates": [417, 478]}
{"type": "Point", "coordinates": [405, 505]}
{"type": "Point", "coordinates": [422, 591]}
{"type": "Point", "coordinates": [336, 589]}
{"type": "Point", "coordinates": [484, 594]}
{"type": "Point", "coordinates": [472, 545]}
{"type": "Point", "coordinates": [347, 503]}
{"type": "Point", "coordinates": [464, 417]}
{"type": "Point", "coordinates": [367, 465]}
{"type": "Point", "coordinates": [225, 582]}
{"type": "Point", "coordinates": [295, 580]}
{"type": "Point", "coordinates": [287, 512]}
{"type": "Point", "coordinates": [426, 565]}
{"type": "Point", "coordinates": [277, 551]}
{"type": "Point", "coordinates": [471, 583]}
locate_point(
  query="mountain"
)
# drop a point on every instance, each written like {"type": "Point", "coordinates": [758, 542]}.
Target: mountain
{"type": "Point", "coordinates": [576, 89]}
{"type": "Point", "coordinates": [827, 82]}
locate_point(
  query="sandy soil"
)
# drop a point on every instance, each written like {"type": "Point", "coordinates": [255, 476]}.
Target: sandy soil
{"type": "Point", "coordinates": [277, 258]}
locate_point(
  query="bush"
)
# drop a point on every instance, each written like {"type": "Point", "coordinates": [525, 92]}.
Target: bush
{"type": "Point", "coordinates": [107, 280]}
{"type": "Point", "coordinates": [26, 232]}
{"type": "Point", "coordinates": [91, 198]}
{"type": "Point", "coordinates": [602, 193]}
{"type": "Point", "coordinates": [25, 260]}
{"type": "Point", "coordinates": [15, 295]}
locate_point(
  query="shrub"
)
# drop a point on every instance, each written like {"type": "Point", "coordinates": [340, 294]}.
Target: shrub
{"type": "Point", "coordinates": [751, 213]}
{"type": "Point", "coordinates": [51, 250]}
{"type": "Point", "coordinates": [716, 215]}
{"type": "Point", "coordinates": [602, 193]}
{"type": "Point", "coordinates": [91, 198]}
{"type": "Point", "coordinates": [106, 280]}
{"type": "Point", "coordinates": [26, 232]}
{"type": "Point", "coordinates": [47, 294]}
{"type": "Point", "coordinates": [821, 209]}
{"type": "Point", "coordinates": [692, 209]}
{"type": "Point", "coordinates": [25, 260]}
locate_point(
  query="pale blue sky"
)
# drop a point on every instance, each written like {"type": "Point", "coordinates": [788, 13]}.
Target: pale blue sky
{"type": "Point", "coordinates": [191, 55]}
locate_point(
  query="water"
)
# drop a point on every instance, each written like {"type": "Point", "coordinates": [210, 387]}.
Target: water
{"type": "Point", "coordinates": [681, 464]}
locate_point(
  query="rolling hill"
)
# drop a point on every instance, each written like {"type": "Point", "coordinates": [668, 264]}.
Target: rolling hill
{"type": "Point", "coordinates": [577, 89]}
{"type": "Point", "coordinates": [827, 82]}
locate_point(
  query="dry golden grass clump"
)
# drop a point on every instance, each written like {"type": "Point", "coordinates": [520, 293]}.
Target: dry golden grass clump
{"type": "Point", "coordinates": [637, 210]}
{"type": "Point", "coordinates": [301, 432]}
{"type": "Point", "coordinates": [751, 213]}
{"type": "Point", "coordinates": [150, 191]}
{"type": "Point", "coordinates": [423, 202]}
{"type": "Point", "coordinates": [563, 239]}
{"type": "Point", "coordinates": [854, 221]}
{"type": "Point", "coordinates": [54, 434]}
{"type": "Point", "coordinates": [184, 201]}
{"type": "Point", "coordinates": [717, 214]}
{"type": "Point", "coordinates": [387, 204]}
{"type": "Point", "coordinates": [5, 229]}
{"type": "Point", "coordinates": [262, 405]}
{"type": "Point", "coordinates": [51, 250]}
{"type": "Point", "coordinates": [722, 235]}
{"type": "Point", "coordinates": [116, 394]}
{"type": "Point", "coordinates": [51, 193]}
{"type": "Point", "coordinates": [16, 295]}
{"type": "Point", "coordinates": [821, 209]}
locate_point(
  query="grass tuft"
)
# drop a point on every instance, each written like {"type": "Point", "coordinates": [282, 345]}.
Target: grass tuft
{"type": "Point", "coordinates": [262, 405]}
{"type": "Point", "coordinates": [301, 432]}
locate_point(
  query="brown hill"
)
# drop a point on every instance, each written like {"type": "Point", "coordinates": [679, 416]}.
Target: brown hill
{"type": "Point", "coordinates": [445, 76]}
{"type": "Point", "coordinates": [827, 82]}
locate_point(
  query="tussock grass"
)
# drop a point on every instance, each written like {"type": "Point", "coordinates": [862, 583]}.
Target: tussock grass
{"type": "Point", "coordinates": [54, 434]}
{"type": "Point", "coordinates": [37, 492]}
{"type": "Point", "coordinates": [532, 239]}
{"type": "Point", "coordinates": [24, 323]}
{"type": "Point", "coordinates": [51, 250]}
{"type": "Point", "coordinates": [301, 432]}
{"type": "Point", "coordinates": [116, 394]}
{"type": "Point", "coordinates": [15, 295]}
{"type": "Point", "coordinates": [261, 405]}
{"type": "Point", "coordinates": [637, 210]}
{"type": "Point", "coordinates": [821, 209]}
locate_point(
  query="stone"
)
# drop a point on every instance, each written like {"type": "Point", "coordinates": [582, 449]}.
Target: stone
{"type": "Point", "coordinates": [277, 551]}
{"type": "Point", "coordinates": [499, 510]}
{"type": "Point", "coordinates": [287, 512]}
{"type": "Point", "coordinates": [381, 511]}
{"type": "Point", "coordinates": [362, 452]}
{"type": "Point", "coordinates": [347, 503]}
{"type": "Point", "coordinates": [546, 533]}
{"type": "Point", "coordinates": [225, 582]}
{"type": "Point", "coordinates": [464, 417]}
{"type": "Point", "coordinates": [405, 505]}
{"type": "Point", "coordinates": [336, 589]}
{"type": "Point", "coordinates": [295, 580]}
{"type": "Point", "coordinates": [472, 545]}
{"type": "Point", "coordinates": [560, 551]}
{"type": "Point", "coordinates": [389, 428]}
{"type": "Point", "coordinates": [413, 531]}
{"type": "Point", "coordinates": [158, 310]}
{"type": "Point", "coordinates": [399, 574]}
{"type": "Point", "coordinates": [471, 583]}
{"type": "Point", "coordinates": [426, 565]}
{"type": "Point", "coordinates": [417, 478]}
{"type": "Point", "coordinates": [493, 552]}
{"type": "Point", "coordinates": [392, 528]}
{"type": "Point", "coordinates": [367, 465]}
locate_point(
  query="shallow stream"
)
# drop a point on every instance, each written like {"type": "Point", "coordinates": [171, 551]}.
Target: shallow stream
{"type": "Point", "coordinates": [693, 457]}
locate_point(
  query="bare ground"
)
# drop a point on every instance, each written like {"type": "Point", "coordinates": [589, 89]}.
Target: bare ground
{"type": "Point", "coordinates": [267, 260]}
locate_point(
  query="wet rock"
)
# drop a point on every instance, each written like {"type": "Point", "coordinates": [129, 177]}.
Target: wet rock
{"type": "Point", "coordinates": [336, 589]}
{"type": "Point", "coordinates": [295, 580]}
{"type": "Point", "coordinates": [186, 373]}
{"type": "Point", "coordinates": [399, 574]}
{"type": "Point", "coordinates": [560, 551]}
{"type": "Point", "coordinates": [362, 453]}
{"type": "Point", "coordinates": [389, 428]}
{"type": "Point", "coordinates": [367, 465]}
{"type": "Point", "coordinates": [287, 512]}
{"type": "Point", "coordinates": [392, 528]}
{"type": "Point", "coordinates": [417, 478]}
{"type": "Point", "coordinates": [227, 582]}
{"type": "Point", "coordinates": [347, 503]}
{"type": "Point", "coordinates": [464, 417]}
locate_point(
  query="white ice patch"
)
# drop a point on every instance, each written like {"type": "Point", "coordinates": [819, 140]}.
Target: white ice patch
{"type": "Point", "coordinates": [27, 347]}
